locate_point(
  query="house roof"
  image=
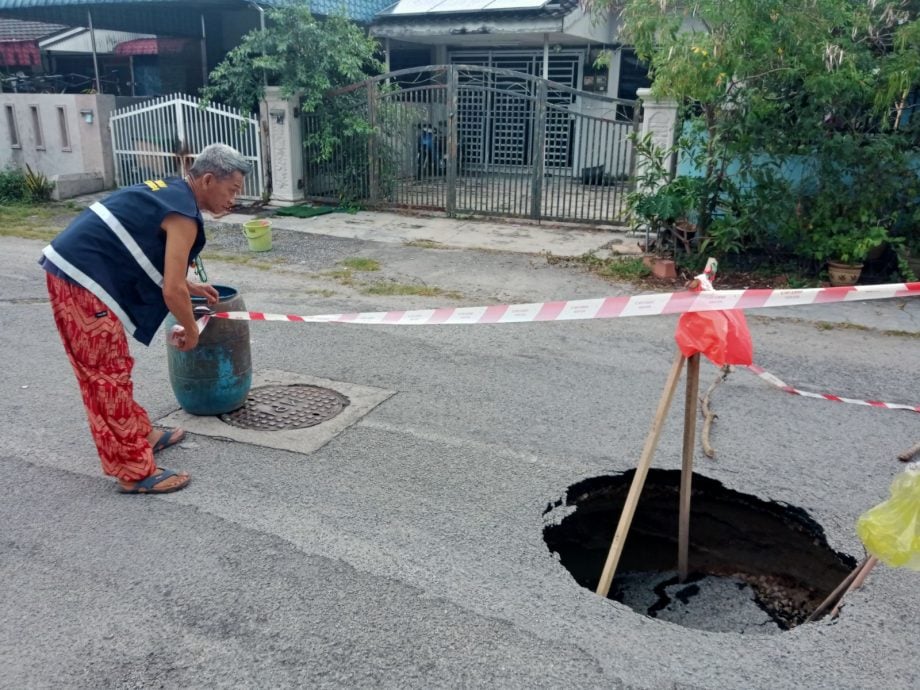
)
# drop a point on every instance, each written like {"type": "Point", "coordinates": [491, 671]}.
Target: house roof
{"type": "Point", "coordinates": [18, 30]}
{"type": "Point", "coordinates": [358, 10]}
{"type": "Point", "coordinates": [19, 54]}
{"type": "Point", "coordinates": [152, 46]}
{"type": "Point", "coordinates": [466, 9]}
{"type": "Point", "coordinates": [169, 17]}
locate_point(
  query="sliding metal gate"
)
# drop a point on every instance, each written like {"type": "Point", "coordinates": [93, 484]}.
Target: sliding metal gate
{"type": "Point", "coordinates": [468, 139]}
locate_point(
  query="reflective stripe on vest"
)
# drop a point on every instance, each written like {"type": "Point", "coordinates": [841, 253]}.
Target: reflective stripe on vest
{"type": "Point", "coordinates": [129, 242]}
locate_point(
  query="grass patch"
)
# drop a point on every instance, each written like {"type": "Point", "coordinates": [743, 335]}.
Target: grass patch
{"type": "Point", "coordinates": [834, 326]}
{"type": "Point", "coordinates": [240, 260]}
{"type": "Point", "coordinates": [424, 244]}
{"type": "Point", "coordinates": [35, 221]}
{"type": "Point", "coordinates": [358, 264]}
{"type": "Point", "coordinates": [346, 275]}
{"type": "Point", "coordinates": [625, 268]}
{"type": "Point", "coordinates": [402, 289]}
{"type": "Point", "coordinates": [343, 276]}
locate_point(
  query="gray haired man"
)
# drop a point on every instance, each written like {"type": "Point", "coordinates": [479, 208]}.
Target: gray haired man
{"type": "Point", "coordinates": [122, 264]}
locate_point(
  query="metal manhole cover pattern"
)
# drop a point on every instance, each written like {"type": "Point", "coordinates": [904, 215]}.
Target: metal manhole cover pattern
{"type": "Point", "coordinates": [273, 408]}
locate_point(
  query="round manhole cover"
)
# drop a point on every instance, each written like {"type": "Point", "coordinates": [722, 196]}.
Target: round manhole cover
{"type": "Point", "coordinates": [273, 408]}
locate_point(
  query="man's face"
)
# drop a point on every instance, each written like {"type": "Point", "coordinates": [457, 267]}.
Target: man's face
{"type": "Point", "coordinates": [220, 195]}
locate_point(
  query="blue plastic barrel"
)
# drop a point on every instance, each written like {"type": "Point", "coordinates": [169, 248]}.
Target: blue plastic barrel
{"type": "Point", "coordinates": [216, 376]}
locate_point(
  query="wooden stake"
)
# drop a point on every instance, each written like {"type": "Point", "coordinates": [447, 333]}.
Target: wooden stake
{"type": "Point", "coordinates": [908, 454]}
{"type": "Point", "coordinates": [632, 499]}
{"type": "Point", "coordinates": [838, 591]}
{"type": "Point", "coordinates": [686, 468]}
{"type": "Point", "coordinates": [857, 582]}
{"type": "Point", "coordinates": [708, 415]}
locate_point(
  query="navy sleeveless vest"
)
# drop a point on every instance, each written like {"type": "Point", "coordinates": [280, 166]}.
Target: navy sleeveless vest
{"type": "Point", "coordinates": [116, 249]}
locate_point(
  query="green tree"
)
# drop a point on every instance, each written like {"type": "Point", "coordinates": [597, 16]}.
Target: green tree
{"type": "Point", "coordinates": [762, 81]}
{"type": "Point", "coordinates": [307, 56]}
{"type": "Point", "coordinates": [297, 52]}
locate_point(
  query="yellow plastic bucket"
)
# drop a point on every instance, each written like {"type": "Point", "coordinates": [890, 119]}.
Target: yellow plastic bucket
{"type": "Point", "coordinates": [259, 234]}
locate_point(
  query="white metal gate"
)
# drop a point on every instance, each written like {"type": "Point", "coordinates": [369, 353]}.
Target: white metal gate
{"type": "Point", "coordinates": [149, 138]}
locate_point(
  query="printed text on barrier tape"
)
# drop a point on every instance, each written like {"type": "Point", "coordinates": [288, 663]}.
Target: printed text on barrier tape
{"type": "Point", "coordinates": [782, 385]}
{"type": "Point", "coordinates": [601, 308]}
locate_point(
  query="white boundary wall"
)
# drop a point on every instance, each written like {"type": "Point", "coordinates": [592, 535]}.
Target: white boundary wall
{"type": "Point", "coordinates": [64, 136]}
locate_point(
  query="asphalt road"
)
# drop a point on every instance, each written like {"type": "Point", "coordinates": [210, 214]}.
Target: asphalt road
{"type": "Point", "coordinates": [408, 551]}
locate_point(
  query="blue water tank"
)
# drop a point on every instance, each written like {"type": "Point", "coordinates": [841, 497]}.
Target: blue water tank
{"type": "Point", "coordinates": [216, 376]}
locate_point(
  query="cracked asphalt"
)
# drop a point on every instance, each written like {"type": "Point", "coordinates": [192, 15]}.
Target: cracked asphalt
{"type": "Point", "coordinates": [408, 551]}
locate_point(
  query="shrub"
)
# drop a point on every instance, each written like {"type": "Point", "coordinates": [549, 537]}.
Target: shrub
{"type": "Point", "coordinates": [38, 185]}
{"type": "Point", "coordinates": [13, 187]}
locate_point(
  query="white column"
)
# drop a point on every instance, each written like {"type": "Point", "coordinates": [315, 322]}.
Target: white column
{"type": "Point", "coordinates": [660, 119]}
{"type": "Point", "coordinates": [546, 56]}
{"type": "Point", "coordinates": [285, 136]}
{"type": "Point", "coordinates": [440, 55]}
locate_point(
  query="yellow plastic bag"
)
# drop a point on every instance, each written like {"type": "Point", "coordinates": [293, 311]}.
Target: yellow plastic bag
{"type": "Point", "coordinates": [891, 530]}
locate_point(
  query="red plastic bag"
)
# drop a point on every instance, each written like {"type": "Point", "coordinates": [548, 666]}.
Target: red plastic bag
{"type": "Point", "coordinates": [722, 336]}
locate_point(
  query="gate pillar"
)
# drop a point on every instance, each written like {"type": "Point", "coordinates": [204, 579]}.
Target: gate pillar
{"type": "Point", "coordinates": [281, 116]}
{"type": "Point", "coordinates": [659, 119]}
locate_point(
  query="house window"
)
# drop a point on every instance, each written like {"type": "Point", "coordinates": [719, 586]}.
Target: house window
{"type": "Point", "coordinates": [13, 129]}
{"type": "Point", "coordinates": [633, 75]}
{"type": "Point", "coordinates": [62, 123]}
{"type": "Point", "coordinates": [594, 76]}
{"type": "Point", "coordinates": [37, 128]}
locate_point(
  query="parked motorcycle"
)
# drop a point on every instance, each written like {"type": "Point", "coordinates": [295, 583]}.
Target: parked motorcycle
{"type": "Point", "coordinates": [431, 152]}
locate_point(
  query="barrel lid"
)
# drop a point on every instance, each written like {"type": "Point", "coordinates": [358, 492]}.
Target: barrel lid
{"type": "Point", "coordinates": [224, 293]}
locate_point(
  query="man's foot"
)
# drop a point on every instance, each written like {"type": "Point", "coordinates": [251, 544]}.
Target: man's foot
{"type": "Point", "coordinates": [161, 440]}
{"type": "Point", "coordinates": [163, 481]}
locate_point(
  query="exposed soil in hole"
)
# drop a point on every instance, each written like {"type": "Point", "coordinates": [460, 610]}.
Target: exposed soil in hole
{"type": "Point", "coordinates": [755, 566]}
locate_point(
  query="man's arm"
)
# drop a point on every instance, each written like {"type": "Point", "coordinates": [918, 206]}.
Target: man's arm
{"type": "Point", "coordinates": [180, 236]}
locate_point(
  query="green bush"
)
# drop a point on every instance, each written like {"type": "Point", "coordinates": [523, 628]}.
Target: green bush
{"type": "Point", "coordinates": [38, 186]}
{"type": "Point", "coordinates": [13, 187]}
{"type": "Point", "coordinates": [18, 187]}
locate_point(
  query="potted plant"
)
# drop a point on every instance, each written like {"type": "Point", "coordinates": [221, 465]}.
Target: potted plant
{"type": "Point", "coordinates": [840, 232]}
{"type": "Point", "coordinates": [844, 246]}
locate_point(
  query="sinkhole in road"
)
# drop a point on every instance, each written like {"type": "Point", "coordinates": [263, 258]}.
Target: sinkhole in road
{"type": "Point", "coordinates": [755, 566]}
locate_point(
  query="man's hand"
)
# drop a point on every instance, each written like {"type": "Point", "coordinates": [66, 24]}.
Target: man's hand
{"type": "Point", "coordinates": [183, 340]}
{"type": "Point", "coordinates": [202, 290]}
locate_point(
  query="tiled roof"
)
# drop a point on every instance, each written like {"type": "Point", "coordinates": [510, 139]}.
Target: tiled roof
{"type": "Point", "coordinates": [16, 30]}
{"type": "Point", "coordinates": [358, 10]}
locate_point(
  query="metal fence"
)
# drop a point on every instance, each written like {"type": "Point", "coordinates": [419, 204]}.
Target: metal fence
{"type": "Point", "coordinates": [149, 139]}
{"type": "Point", "coordinates": [469, 139]}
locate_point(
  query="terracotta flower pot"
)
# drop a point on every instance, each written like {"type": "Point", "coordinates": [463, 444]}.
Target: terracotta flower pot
{"type": "Point", "coordinates": [843, 274]}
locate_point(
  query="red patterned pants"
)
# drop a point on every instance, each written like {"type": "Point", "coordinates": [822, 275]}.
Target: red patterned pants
{"type": "Point", "coordinates": [95, 342]}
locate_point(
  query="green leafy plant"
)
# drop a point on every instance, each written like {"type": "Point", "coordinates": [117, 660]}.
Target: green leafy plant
{"type": "Point", "coordinates": [38, 185]}
{"type": "Point", "coordinates": [660, 201]}
{"type": "Point", "coordinates": [13, 187]}
{"type": "Point", "coordinates": [308, 58]}
{"type": "Point", "coordinates": [769, 87]}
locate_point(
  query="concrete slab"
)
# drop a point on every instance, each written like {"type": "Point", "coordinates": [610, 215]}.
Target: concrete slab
{"type": "Point", "coordinates": [452, 233]}
{"type": "Point", "coordinates": [68, 186]}
{"type": "Point", "coordinates": [362, 399]}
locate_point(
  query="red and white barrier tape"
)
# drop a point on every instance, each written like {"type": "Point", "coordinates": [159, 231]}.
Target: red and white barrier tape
{"type": "Point", "coordinates": [782, 385]}
{"type": "Point", "coordinates": [601, 308]}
